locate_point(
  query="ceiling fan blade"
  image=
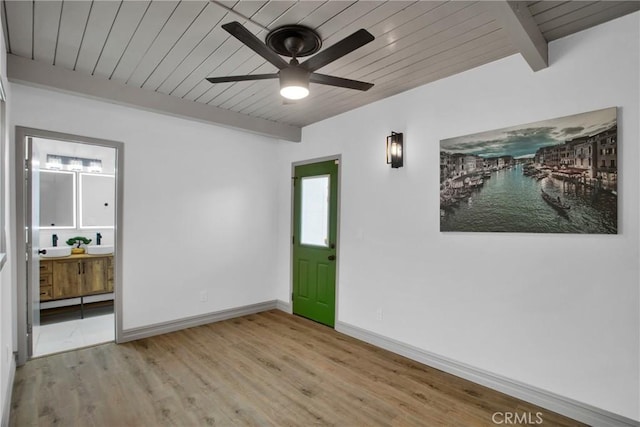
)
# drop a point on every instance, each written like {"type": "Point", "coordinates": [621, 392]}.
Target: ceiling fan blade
{"type": "Point", "coordinates": [245, 36]}
{"type": "Point", "coordinates": [227, 79]}
{"type": "Point", "coordinates": [323, 79]}
{"type": "Point", "coordinates": [338, 50]}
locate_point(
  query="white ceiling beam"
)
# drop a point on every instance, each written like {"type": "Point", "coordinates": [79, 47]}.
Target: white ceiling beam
{"type": "Point", "coordinates": [33, 73]}
{"type": "Point", "coordinates": [522, 30]}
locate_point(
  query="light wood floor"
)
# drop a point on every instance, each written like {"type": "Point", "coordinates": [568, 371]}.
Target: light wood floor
{"type": "Point", "coordinates": [265, 369]}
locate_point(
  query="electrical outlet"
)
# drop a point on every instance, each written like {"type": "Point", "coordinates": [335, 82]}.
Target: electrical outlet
{"type": "Point", "coordinates": [379, 314]}
{"type": "Point", "coordinates": [204, 296]}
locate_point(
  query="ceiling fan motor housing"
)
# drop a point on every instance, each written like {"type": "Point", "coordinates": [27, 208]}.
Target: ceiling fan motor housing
{"type": "Point", "coordinates": [294, 41]}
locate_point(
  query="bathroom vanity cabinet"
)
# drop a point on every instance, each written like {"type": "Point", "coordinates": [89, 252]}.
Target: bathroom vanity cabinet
{"type": "Point", "coordinates": [75, 276]}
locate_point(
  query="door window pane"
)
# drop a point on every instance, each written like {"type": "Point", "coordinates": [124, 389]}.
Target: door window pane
{"type": "Point", "coordinates": [314, 215]}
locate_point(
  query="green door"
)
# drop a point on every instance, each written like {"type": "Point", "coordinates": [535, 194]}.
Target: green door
{"type": "Point", "coordinates": [315, 216]}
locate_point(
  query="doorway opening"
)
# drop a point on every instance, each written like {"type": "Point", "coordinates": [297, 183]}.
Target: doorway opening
{"type": "Point", "coordinates": [69, 198]}
{"type": "Point", "coordinates": [315, 239]}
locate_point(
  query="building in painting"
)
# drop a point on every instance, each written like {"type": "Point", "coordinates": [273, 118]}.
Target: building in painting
{"type": "Point", "coordinates": [606, 145]}
{"type": "Point", "coordinates": [583, 155]}
{"type": "Point", "coordinates": [453, 165]}
{"type": "Point", "coordinates": [594, 156]}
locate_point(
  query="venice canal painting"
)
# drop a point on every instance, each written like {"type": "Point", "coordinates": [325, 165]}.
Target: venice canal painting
{"type": "Point", "coordinates": [554, 176]}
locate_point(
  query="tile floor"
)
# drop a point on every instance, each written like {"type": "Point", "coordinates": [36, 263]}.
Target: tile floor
{"type": "Point", "coordinates": [72, 334]}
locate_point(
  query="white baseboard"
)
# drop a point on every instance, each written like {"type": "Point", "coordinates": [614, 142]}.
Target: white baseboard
{"type": "Point", "coordinates": [284, 306]}
{"type": "Point", "coordinates": [553, 402]}
{"type": "Point", "coordinates": [6, 405]}
{"type": "Point", "coordinates": [190, 322]}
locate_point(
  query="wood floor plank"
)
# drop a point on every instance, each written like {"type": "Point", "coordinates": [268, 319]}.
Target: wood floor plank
{"type": "Point", "coordinates": [397, 389]}
{"type": "Point", "coordinates": [266, 369]}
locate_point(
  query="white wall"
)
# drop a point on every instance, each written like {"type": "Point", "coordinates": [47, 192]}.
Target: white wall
{"type": "Point", "coordinates": [199, 205]}
{"type": "Point", "coordinates": [558, 312]}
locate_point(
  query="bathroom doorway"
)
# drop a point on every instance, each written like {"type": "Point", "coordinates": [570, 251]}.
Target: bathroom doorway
{"type": "Point", "coordinates": [71, 251]}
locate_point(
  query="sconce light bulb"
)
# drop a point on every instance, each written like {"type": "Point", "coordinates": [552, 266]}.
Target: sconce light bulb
{"type": "Point", "coordinates": [394, 150]}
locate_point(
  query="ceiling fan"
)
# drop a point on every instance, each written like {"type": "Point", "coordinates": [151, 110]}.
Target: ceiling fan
{"type": "Point", "coordinates": [296, 41]}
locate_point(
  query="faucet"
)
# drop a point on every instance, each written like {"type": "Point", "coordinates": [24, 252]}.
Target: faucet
{"type": "Point", "coordinates": [98, 238]}
{"type": "Point", "coordinates": [55, 240]}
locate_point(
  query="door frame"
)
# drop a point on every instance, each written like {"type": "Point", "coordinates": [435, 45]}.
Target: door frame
{"type": "Point", "coordinates": [338, 158]}
{"type": "Point", "coordinates": [21, 134]}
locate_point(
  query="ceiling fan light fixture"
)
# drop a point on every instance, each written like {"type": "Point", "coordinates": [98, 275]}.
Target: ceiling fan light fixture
{"type": "Point", "coordinates": [295, 41]}
{"type": "Point", "coordinates": [294, 92]}
{"type": "Point", "coordinates": [294, 83]}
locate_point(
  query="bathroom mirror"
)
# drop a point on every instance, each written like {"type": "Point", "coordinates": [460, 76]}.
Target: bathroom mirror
{"type": "Point", "coordinates": [57, 199]}
{"type": "Point", "coordinates": [97, 200]}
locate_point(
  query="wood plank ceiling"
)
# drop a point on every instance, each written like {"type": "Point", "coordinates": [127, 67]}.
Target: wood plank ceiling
{"type": "Point", "coordinates": [170, 47]}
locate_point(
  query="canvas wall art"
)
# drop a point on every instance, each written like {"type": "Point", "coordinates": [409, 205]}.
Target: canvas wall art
{"type": "Point", "coordinates": [553, 176]}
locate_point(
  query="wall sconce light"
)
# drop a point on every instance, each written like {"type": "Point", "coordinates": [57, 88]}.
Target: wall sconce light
{"type": "Point", "coordinates": [394, 150]}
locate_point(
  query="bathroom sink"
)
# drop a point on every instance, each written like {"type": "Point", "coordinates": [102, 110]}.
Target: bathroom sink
{"type": "Point", "coordinates": [99, 250]}
{"type": "Point", "coordinates": [57, 251]}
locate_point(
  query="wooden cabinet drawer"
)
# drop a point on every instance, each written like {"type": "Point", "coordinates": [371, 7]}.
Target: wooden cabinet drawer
{"type": "Point", "coordinates": [46, 280]}
{"type": "Point", "coordinates": [46, 293]}
{"type": "Point", "coordinates": [46, 267]}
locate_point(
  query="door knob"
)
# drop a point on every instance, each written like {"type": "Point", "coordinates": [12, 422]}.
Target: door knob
{"type": "Point", "coordinates": [332, 257]}
{"type": "Point", "coordinates": [42, 251]}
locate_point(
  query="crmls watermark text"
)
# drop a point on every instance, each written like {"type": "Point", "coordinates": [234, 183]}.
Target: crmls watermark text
{"type": "Point", "coordinates": [527, 418]}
